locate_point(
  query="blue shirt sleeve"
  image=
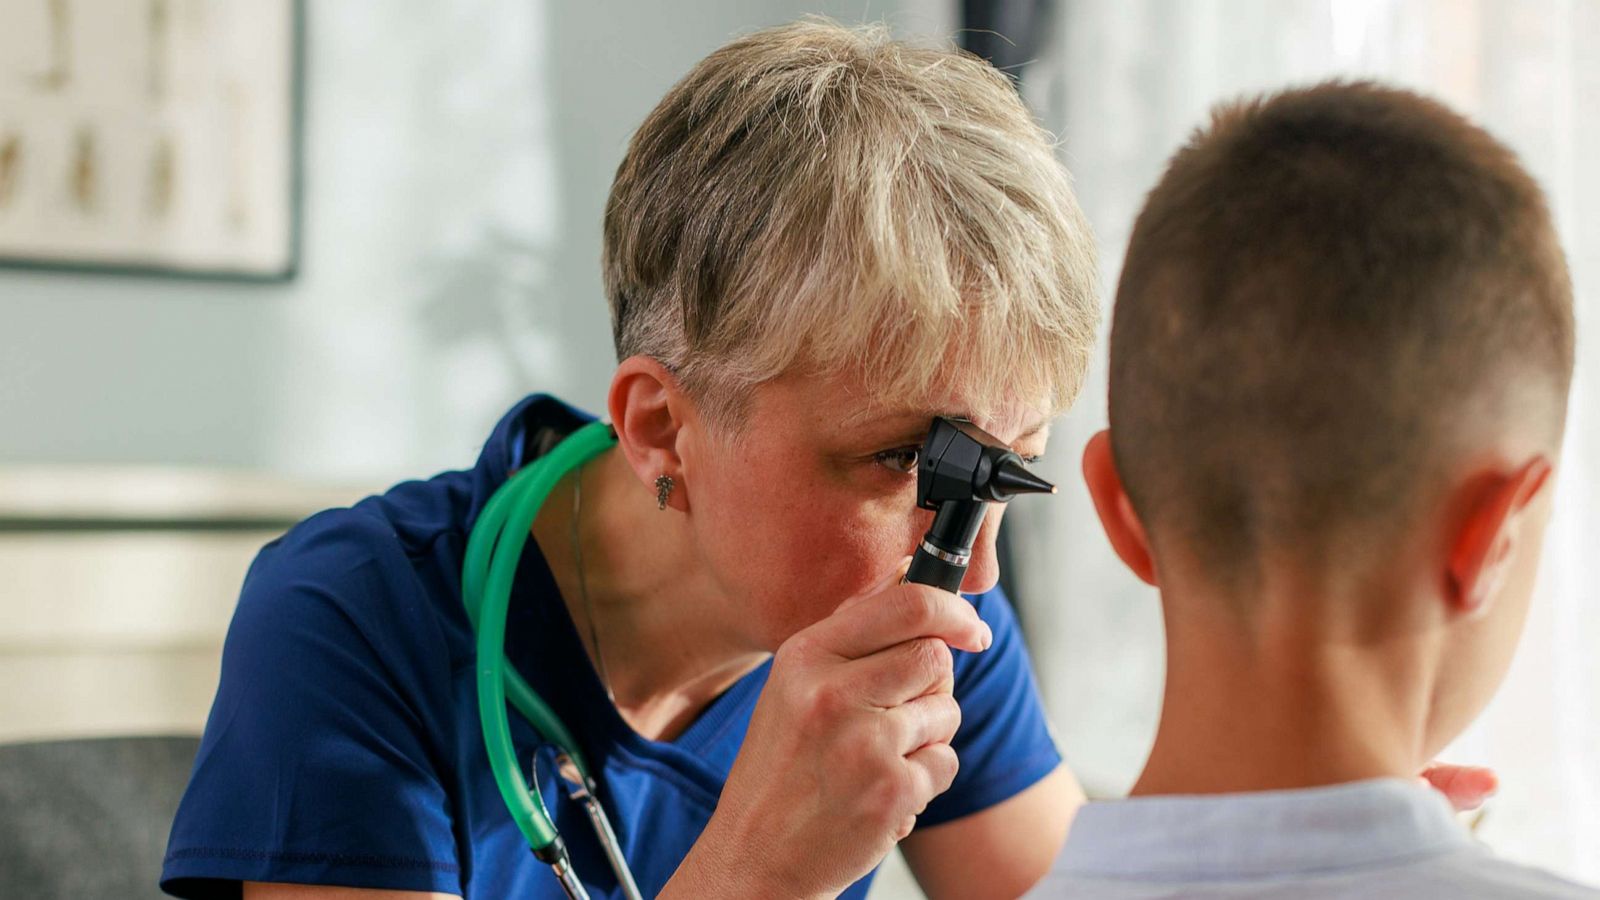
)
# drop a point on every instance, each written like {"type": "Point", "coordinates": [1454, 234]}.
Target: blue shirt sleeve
{"type": "Point", "coordinates": [1004, 743]}
{"type": "Point", "coordinates": [316, 764]}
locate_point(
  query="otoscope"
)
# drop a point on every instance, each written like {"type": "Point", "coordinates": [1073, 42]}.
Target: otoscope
{"type": "Point", "coordinates": [962, 467]}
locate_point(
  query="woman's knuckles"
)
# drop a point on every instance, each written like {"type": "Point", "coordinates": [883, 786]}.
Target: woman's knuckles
{"type": "Point", "coordinates": [919, 609]}
{"type": "Point", "coordinates": [946, 716]}
{"type": "Point", "coordinates": [945, 765]}
{"type": "Point", "coordinates": [796, 653]}
{"type": "Point", "coordinates": [889, 798]}
{"type": "Point", "coordinates": [931, 660]}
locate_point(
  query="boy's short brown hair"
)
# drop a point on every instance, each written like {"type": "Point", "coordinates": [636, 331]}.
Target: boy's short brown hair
{"type": "Point", "coordinates": [1332, 294]}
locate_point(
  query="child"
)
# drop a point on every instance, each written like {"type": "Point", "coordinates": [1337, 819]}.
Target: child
{"type": "Point", "coordinates": [1340, 358]}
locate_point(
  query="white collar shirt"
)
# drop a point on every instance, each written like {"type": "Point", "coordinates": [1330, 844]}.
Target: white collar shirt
{"type": "Point", "coordinates": [1380, 838]}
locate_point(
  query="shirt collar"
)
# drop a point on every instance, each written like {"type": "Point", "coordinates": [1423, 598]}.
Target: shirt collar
{"type": "Point", "coordinates": [1201, 837]}
{"type": "Point", "coordinates": [526, 432]}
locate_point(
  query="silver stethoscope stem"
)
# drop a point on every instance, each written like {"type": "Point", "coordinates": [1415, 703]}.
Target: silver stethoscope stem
{"type": "Point", "coordinates": [569, 879]}
{"type": "Point", "coordinates": [608, 841]}
{"type": "Point", "coordinates": [579, 789]}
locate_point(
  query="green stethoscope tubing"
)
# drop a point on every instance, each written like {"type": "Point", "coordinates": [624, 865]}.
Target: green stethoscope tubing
{"type": "Point", "coordinates": [493, 551]}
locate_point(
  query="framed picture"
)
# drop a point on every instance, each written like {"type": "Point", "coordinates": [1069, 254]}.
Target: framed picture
{"type": "Point", "coordinates": [151, 136]}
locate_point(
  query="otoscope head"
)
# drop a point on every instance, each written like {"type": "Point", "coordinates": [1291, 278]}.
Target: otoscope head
{"type": "Point", "coordinates": [961, 461]}
{"type": "Point", "coordinates": [962, 469]}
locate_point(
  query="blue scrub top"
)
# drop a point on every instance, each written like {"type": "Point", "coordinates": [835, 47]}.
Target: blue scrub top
{"type": "Point", "coordinates": [344, 746]}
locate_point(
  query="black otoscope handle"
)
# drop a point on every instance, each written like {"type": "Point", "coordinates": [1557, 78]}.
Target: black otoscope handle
{"type": "Point", "coordinates": [942, 558]}
{"type": "Point", "coordinates": [931, 570]}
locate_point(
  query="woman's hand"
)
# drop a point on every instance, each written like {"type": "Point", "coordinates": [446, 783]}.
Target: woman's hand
{"type": "Point", "coordinates": [848, 743]}
{"type": "Point", "coordinates": [1466, 787]}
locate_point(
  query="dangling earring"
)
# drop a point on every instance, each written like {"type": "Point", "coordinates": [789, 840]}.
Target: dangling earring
{"type": "Point", "coordinates": [664, 485]}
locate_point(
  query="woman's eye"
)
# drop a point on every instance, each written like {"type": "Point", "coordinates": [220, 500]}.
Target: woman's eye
{"type": "Point", "coordinates": [902, 460]}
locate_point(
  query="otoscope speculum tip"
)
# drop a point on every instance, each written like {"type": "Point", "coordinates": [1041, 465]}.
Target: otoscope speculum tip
{"type": "Point", "coordinates": [1010, 478]}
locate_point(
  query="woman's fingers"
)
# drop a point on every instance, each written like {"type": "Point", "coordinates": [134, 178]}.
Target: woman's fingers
{"type": "Point", "coordinates": [900, 673]}
{"type": "Point", "coordinates": [933, 768]}
{"type": "Point", "coordinates": [1466, 787]}
{"type": "Point", "coordinates": [926, 720]}
{"type": "Point", "coordinates": [901, 613]}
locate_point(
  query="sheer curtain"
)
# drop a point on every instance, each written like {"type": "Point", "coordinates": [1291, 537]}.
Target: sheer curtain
{"type": "Point", "coordinates": [1123, 84]}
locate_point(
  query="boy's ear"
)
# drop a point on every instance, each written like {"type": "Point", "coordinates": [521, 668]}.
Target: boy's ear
{"type": "Point", "coordinates": [1490, 533]}
{"type": "Point", "coordinates": [1116, 511]}
{"type": "Point", "coordinates": [649, 412]}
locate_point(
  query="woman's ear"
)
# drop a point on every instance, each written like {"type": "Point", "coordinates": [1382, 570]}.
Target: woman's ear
{"type": "Point", "coordinates": [1117, 515]}
{"type": "Point", "coordinates": [1490, 534]}
{"type": "Point", "coordinates": [649, 411]}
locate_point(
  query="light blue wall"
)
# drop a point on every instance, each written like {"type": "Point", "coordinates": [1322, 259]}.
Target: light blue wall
{"type": "Point", "coordinates": [457, 161]}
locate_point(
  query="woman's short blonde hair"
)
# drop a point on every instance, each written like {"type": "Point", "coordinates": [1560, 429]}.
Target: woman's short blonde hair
{"type": "Point", "coordinates": [820, 196]}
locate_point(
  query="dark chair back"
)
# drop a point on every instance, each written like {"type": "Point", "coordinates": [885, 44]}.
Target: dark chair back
{"type": "Point", "coordinates": [89, 818]}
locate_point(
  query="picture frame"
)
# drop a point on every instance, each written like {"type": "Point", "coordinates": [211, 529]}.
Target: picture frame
{"type": "Point", "coordinates": [152, 137]}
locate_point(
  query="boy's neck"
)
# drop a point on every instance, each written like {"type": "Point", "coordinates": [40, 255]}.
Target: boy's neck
{"type": "Point", "coordinates": [1281, 706]}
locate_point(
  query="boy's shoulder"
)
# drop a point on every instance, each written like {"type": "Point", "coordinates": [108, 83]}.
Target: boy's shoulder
{"type": "Point", "coordinates": [1378, 838]}
{"type": "Point", "coordinates": [1480, 874]}
{"type": "Point", "coordinates": [1467, 874]}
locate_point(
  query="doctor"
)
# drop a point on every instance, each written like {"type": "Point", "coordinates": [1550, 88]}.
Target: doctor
{"type": "Point", "coordinates": [816, 242]}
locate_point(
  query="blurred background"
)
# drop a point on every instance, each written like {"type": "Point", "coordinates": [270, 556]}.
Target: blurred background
{"type": "Point", "coordinates": [398, 236]}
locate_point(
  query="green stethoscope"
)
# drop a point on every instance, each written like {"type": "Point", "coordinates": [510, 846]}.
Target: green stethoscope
{"type": "Point", "coordinates": [493, 551]}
